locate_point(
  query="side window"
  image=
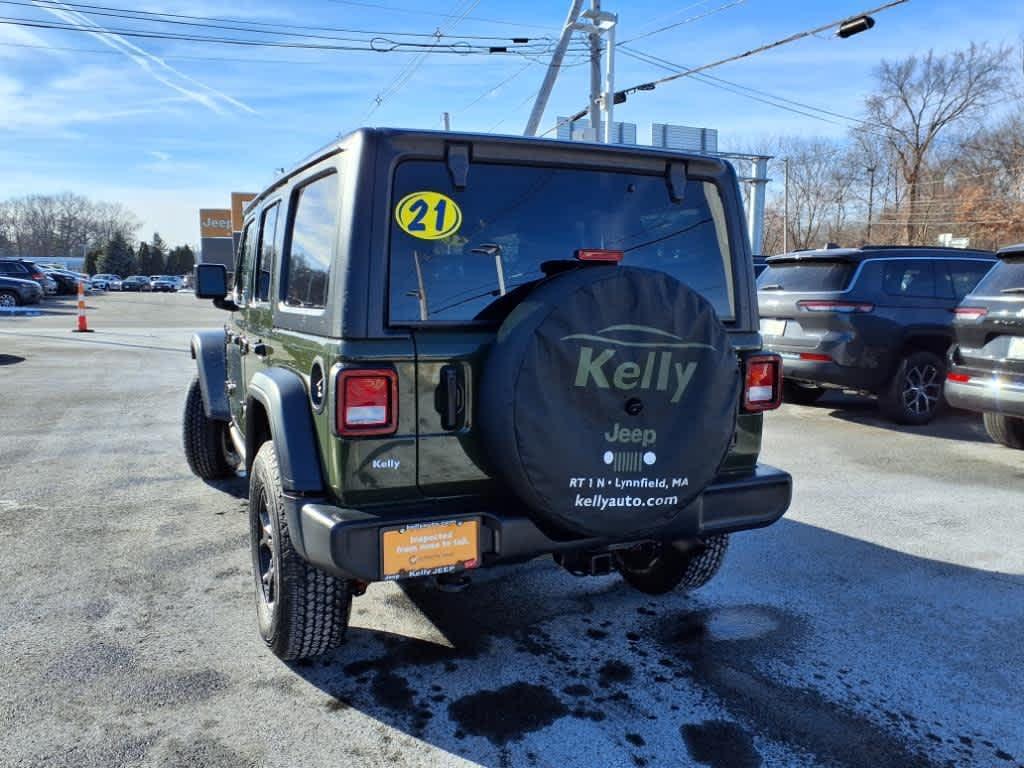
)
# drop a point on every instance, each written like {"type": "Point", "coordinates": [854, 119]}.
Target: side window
{"type": "Point", "coordinates": [966, 275]}
{"type": "Point", "coordinates": [913, 277]}
{"type": "Point", "coordinates": [266, 253]}
{"type": "Point", "coordinates": [243, 264]}
{"type": "Point", "coordinates": [313, 233]}
{"type": "Point", "coordinates": [6, 268]}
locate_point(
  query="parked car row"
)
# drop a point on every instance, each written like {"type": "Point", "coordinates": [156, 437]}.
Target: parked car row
{"type": "Point", "coordinates": [20, 277]}
{"type": "Point", "coordinates": [913, 327]}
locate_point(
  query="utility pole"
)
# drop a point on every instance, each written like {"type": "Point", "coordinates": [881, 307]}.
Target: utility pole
{"type": "Point", "coordinates": [755, 210]}
{"type": "Point", "coordinates": [785, 206]}
{"type": "Point", "coordinates": [595, 74]}
{"type": "Point", "coordinates": [554, 66]}
{"type": "Point", "coordinates": [871, 199]}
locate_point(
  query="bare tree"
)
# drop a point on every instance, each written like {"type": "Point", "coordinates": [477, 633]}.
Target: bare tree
{"type": "Point", "coordinates": [921, 98]}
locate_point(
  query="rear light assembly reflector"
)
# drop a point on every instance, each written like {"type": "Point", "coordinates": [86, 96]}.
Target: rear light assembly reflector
{"type": "Point", "coordinates": [959, 378]}
{"type": "Point", "coordinates": [367, 402]}
{"type": "Point", "coordinates": [843, 307]}
{"type": "Point", "coordinates": [970, 313]}
{"type": "Point", "coordinates": [815, 357]}
{"type": "Point", "coordinates": [762, 385]}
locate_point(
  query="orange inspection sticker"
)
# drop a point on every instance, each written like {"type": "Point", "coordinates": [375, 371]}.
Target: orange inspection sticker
{"type": "Point", "coordinates": [427, 549]}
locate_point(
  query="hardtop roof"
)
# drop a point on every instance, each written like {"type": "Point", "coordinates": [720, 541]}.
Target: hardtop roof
{"type": "Point", "coordinates": [873, 251]}
{"type": "Point", "coordinates": [342, 142]}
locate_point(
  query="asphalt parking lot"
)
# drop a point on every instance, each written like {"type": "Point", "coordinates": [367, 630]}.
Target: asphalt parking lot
{"type": "Point", "coordinates": [878, 624]}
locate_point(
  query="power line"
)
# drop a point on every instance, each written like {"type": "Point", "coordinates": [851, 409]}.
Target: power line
{"type": "Point", "coordinates": [689, 20]}
{"type": "Point", "coordinates": [434, 14]}
{"type": "Point", "coordinates": [651, 85]}
{"type": "Point", "coordinates": [214, 22]}
{"type": "Point", "coordinates": [376, 45]}
{"type": "Point", "coordinates": [407, 72]}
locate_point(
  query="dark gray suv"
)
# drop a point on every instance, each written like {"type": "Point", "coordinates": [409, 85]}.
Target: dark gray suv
{"type": "Point", "coordinates": [986, 364]}
{"type": "Point", "coordinates": [875, 320]}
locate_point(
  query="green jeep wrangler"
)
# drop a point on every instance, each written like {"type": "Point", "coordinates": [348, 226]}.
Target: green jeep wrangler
{"type": "Point", "coordinates": [449, 351]}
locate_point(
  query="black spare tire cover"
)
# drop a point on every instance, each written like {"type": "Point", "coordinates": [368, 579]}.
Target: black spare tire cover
{"type": "Point", "coordinates": [608, 401]}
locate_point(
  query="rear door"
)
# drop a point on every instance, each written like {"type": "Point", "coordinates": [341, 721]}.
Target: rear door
{"type": "Point", "coordinates": [994, 339]}
{"type": "Point", "coordinates": [804, 299]}
{"type": "Point", "coordinates": [461, 258]}
{"type": "Point", "coordinates": [237, 325]}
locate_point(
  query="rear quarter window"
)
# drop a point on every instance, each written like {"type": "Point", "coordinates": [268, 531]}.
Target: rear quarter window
{"type": "Point", "coordinates": [1006, 275]}
{"type": "Point", "coordinates": [514, 218]}
{"type": "Point", "coordinates": [313, 234]}
{"type": "Point", "coordinates": [807, 276]}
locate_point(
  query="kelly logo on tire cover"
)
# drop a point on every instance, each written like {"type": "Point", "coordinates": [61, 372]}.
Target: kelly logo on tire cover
{"type": "Point", "coordinates": [658, 366]}
{"type": "Point", "coordinates": [609, 400]}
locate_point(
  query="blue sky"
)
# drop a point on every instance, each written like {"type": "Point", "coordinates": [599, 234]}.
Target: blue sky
{"type": "Point", "coordinates": [164, 130]}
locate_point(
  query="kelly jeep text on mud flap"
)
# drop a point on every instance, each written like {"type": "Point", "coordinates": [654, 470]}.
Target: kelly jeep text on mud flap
{"type": "Point", "coordinates": [557, 354]}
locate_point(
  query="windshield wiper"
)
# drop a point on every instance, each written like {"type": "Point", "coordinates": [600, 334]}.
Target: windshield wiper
{"type": "Point", "coordinates": [1013, 290]}
{"type": "Point", "coordinates": [770, 287]}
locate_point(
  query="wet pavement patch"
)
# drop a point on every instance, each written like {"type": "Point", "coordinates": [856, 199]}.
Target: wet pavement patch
{"type": "Point", "coordinates": [392, 692]}
{"type": "Point", "coordinates": [723, 648]}
{"type": "Point", "coordinates": [720, 744]}
{"type": "Point", "coordinates": [507, 713]}
{"type": "Point", "coordinates": [614, 672]}
{"type": "Point", "coordinates": [92, 661]}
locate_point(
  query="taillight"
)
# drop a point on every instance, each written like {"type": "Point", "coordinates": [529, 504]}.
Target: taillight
{"type": "Point", "coordinates": [36, 275]}
{"type": "Point", "coordinates": [599, 254]}
{"type": "Point", "coordinates": [815, 357]}
{"type": "Point", "coordinates": [845, 307]}
{"type": "Point", "coordinates": [959, 378]}
{"type": "Point", "coordinates": [367, 402]}
{"type": "Point", "coordinates": [762, 385]}
{"type": "Point", "coordinates": [970, 313]}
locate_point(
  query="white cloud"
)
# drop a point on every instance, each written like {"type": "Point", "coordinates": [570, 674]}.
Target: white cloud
{"type": "Point", "coordinates": [164, 73]}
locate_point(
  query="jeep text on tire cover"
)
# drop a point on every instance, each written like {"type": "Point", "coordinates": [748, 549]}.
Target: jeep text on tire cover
{"type": "Point", "coordinates": [449, 351]}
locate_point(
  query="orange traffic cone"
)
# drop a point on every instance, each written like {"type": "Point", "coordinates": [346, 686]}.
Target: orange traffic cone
{"type": "Point", "coordinates": [83, 325]}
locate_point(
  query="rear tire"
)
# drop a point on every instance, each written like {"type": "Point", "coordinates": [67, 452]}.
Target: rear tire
{"type": "Point", "coordinates": [915, 394]}
{"type": "Point", "coordinates": [801, 394]}
{"type": "Point", "coordinates": [8, 299]}
{"type": "Point", "coordinates": [301, 610]}
{"type": "Point", "coordinates": [208, 448]}
{"type": "Point", "coordinates": [666, 567]}
{"type": "Point", "coordinates": [1006, 430]}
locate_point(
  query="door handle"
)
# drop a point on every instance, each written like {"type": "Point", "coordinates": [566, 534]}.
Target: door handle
{"type": "Point", "coordinates": [450, 399]}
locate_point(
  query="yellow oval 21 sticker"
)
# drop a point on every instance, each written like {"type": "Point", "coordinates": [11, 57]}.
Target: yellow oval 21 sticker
{"type": "Point", "coordinates": [428, 215]}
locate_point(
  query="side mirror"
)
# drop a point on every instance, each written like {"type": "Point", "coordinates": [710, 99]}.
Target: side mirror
{"type": "Point", "coordinates": [212, 283]}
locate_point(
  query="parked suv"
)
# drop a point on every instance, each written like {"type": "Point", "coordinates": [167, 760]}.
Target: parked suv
{"type": "Point", "coordinates": [876, 320]}
{"type": "Point", "coordinates": [22, 269]}
{"type": "Point", "coordinates": [451, 351]}
{"type": "Point", "coordinates": [986, 364]}
{"type": "Point", "coordinates": [15, 292]}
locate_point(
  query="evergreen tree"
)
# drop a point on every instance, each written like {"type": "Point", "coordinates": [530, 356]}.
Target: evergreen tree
{"type": "Point", "coordinates": [158, 255]}
{"type": "Point", "coordinates": [117, 257]}
{"type": "Point", "coordinates": [180, 260]}
{"type": "Point", "coordinates": [144, 259]}
{"type": "Point", "coordinates": [91, 258]}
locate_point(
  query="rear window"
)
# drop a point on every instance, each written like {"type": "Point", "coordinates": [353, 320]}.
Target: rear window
{"type": "Point", "coordinates": [1006, 275]}
{"type": "Point", "coordinates": [806, 276]}
{"type": "Point", "coordinates": [509, 220]}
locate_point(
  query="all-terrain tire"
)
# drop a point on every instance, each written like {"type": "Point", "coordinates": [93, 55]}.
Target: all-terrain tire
{"type": "Point", "coordinates": [207, 442]}
{"type": "Point", "coordinates": [301, 610]}
{"type": "Point", "coordinates": [9, 299]}
{"type": "Point", "coordinates": [670, 568]}
{"type": "Point", "coordinates": [801, 394]}
{"type": "Point", "coordinates": [1007, 430]}
{"type": "Point", "coordinates": [915, 394]}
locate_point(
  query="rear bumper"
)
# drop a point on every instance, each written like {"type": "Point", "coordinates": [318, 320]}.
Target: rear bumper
{"type": "Point", "coordinates": [986, 392]}
{"type": "Point", "coordinates": [827, 374]}
{"type": "Point", "coordinates": [347, 542]}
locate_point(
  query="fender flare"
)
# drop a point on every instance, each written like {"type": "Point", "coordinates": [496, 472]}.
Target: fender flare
{"type": "Point", "coordinates": [208, 351]}
{"type": "Point", "coordinates": [282, 393]}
